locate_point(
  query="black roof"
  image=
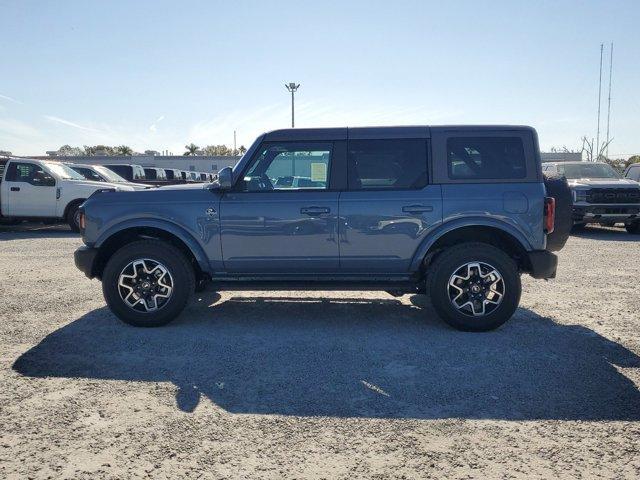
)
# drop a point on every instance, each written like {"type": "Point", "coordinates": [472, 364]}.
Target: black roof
{"type": "Point", "coordinates": [408, 131]}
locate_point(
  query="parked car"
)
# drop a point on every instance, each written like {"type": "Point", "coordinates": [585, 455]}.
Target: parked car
{"type": "Point", "coordinates": [600, 194]}
{"type": "Point", "coordinates": [184, 175]}
{"type": "Point", "coordinates": [33, 189]}
{"type": "Point", "coordinates": [130, 172]}
{"type": "Point", "coordinates": [155, 174]}
{"type": "Point", "coordinates": [633, 172]}
{"type": "Point", "coordinates": [99, 173]}
{"type": "Point", "coordinates": [458, 212]}
{"type": "Point", "coordinates": [173, 175]}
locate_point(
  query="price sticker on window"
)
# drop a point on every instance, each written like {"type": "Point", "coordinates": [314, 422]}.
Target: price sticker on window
{"type": "Point", "coordinates": [318, 172]}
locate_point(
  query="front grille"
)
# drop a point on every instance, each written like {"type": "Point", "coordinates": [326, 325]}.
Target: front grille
{"type": "Point", "coordinates": [613, 195]}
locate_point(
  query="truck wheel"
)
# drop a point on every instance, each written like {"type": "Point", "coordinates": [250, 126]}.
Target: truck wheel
{"type": "Point", "coordinates": [148, 283]}
{"type": "Point", "coordinates": [558, 188]}
{"type": "Point", "coordinates": [633, 228]}
{"type": "Point", "coordinates": [474, 286]}
{"type": "Point", "coordinates": [73, 217]}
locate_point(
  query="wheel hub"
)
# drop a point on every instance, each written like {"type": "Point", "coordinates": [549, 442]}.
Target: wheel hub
{"type": "Point", "coordinates": [145, 285]}
{"type": "Point", "coordinates": [476, 288]}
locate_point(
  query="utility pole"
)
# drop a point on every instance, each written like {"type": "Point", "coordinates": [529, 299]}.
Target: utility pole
{"type": "Point", "coordinates": [292, 87]}
{"type": "Point", "coordinates": [599, 97]}
{"type": "Point", "coordinates": [609, 102]}
{"type": "Point", "coordinates": [234, 142]}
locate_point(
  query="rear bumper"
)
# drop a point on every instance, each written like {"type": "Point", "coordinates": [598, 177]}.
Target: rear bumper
{"type": "Point", "coordinates": [84, 258]}
{"type": "Point", "coordinates": [543, 264]}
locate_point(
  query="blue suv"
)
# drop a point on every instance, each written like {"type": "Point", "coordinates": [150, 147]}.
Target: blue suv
{"type": "Point", "coordinates": [458, 213]}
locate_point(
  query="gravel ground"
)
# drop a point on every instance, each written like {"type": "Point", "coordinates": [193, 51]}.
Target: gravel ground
{"type": "Point", "coordinates": [319, 385]}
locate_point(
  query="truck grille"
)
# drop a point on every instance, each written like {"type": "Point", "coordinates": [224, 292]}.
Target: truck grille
{"type": "Point", "coordinates": [613, 195]}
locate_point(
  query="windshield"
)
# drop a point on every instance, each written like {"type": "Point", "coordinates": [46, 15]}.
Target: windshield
{"type": "Point", "coordinates": [109, 175]}
{"type": "Point", "coordinates": [64, 172]}
{"type": "Point", "coordinates": [587, 170]}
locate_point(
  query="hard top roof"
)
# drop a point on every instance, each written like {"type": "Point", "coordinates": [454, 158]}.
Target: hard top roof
{"type": "Point", "coordinates": [363, 133]}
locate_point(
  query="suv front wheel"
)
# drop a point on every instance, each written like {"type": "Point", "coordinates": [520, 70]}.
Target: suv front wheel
{"type": "Point", "coordinates": [474, 286]}
{"type": "Point", "coordinates": [148, 283]}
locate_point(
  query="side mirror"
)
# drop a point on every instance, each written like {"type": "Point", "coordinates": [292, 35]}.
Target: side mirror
{"type": "Point", "coordinates": [225, 178]}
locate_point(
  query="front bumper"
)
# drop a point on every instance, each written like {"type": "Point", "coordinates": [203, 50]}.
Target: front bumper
{"type": "Point", "coordinates": [605, 213]}
{"type": "Point", "coordinates": [84, 258]}
{"type": "Point", "coordinates": [543, 264]}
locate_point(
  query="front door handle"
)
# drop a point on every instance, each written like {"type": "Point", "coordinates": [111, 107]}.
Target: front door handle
{"type": "Point", "coordinates": [314, 210]}
{"type": "Point", "coordinates": [15, 189]}
{"type": "Point", "coordinates": [417, 209]}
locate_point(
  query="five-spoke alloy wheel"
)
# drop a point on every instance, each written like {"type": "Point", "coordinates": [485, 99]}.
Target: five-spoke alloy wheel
{"type": "Point", "coordinates": [147, 283]}
{"type": "Point", "coordinates": [474, 286]}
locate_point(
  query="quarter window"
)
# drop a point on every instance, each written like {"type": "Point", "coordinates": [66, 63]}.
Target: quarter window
{"type": "Point", "coordinates": [289, 166]}
{"type": "Point", "coordinates": [387, 164]}
{"type": "Point", "coordinates": [480, 158]}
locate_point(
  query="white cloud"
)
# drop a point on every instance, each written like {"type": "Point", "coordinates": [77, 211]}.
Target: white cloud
{"type": "Point", "coordinates": [9, 99]}
{"type": "Point", "coordinates": [154, 126]}
{"type": "Point", "coordinates": [69, 124]}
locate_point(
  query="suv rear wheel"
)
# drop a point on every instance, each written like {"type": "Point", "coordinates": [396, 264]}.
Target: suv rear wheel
{"type": "Point", "coordinates": [474, 286]}
{"type": "Point", "coordinates": [148, 283]}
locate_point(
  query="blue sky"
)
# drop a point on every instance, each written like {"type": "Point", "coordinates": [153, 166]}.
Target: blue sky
{"type": "Point", "coordinates": [156, 74]}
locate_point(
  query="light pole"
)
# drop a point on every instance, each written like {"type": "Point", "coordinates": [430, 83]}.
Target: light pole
{"type": "Point", "coordinates": [292, 87]}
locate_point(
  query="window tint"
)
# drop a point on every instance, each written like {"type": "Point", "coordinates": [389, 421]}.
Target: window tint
{"type": "Point", "coordinates": [88, 174]}
{"type": "Point", "coordinates": [121, 170]}
{"type": "Point", "coordinates": [387, 164]}
{"type": "Point", "coordinates": [28, 173]}
{"type": "Point", "coordinates": [289, 166]}
{"type": "Point", "coordinates": [485, 158]}
{"type": "Point", "coordinates": [634, 173]}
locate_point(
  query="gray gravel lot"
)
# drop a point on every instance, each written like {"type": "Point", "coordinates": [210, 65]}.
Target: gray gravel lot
{"type": "Point", "coordinates": [319, 384]}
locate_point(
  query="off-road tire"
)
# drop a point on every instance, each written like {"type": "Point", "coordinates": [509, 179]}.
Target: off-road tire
{"type": "Point", "coordinates": [449, 261]}
{"type": "Point", "coordinates": [558, 188]}
{"type": "Point", "coordinates": [176, 263]}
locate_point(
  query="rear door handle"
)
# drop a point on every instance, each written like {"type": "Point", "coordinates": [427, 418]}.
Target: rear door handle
{"type": "Point", "coordinates": [417, 208]}
{"type": "Point", "coordinates": [15, 189]}
{"type": "Point", "coordinates": [314, 210]}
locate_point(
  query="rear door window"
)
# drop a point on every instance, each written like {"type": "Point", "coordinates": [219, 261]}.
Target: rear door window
{"type": "Point", "coordinates": [485, 158]}
{"type": "Point", "coordinates": [387, 164]}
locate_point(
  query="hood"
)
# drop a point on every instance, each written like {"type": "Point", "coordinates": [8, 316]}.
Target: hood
{"type": "Point", "coordinates": [604, 182]}
{"type": "Point", "coordinates": [98, 185]}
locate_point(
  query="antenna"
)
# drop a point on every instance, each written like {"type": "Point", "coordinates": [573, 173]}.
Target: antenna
{"type": "Point", "coordinates": [609, 102]}
{"type": "Point", "coordinates": [599, 97]}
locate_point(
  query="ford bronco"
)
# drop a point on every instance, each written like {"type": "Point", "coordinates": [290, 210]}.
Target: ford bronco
{"type": "Point", "coordinates": [458, 213]}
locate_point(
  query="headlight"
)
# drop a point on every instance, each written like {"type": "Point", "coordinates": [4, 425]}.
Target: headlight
{"type": "Point", "coordinates": [579, 196]}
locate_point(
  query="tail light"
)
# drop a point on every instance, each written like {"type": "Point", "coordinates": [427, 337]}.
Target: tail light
{"type": "Point", "coordinates": [549, 214]}
{"type": "Point", "coordinates": [81, 221]}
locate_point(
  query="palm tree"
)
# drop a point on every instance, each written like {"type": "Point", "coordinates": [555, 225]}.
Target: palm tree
{"type": "Point", "coordinates": [192, 149]}
{"type": "Point", "coordinates": [123, 150]}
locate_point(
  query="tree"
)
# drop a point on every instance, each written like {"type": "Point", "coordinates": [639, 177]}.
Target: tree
{"type": "Point", "coordinates": [123, 150]}
{"type": "Point", "coordinates": [98, 150]}
{"type": "Point", "coordinates": [588, 148]}
{"type": "Point", "coordinates": [192, 149]}
{"type": "Point", "coordinates": [223, 150]}
{"type": "Point", "coordinates": [69, 151]}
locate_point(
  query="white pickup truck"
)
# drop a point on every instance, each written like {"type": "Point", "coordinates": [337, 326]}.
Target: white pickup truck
{"type": "Point", "coordinates": [44, 190]}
